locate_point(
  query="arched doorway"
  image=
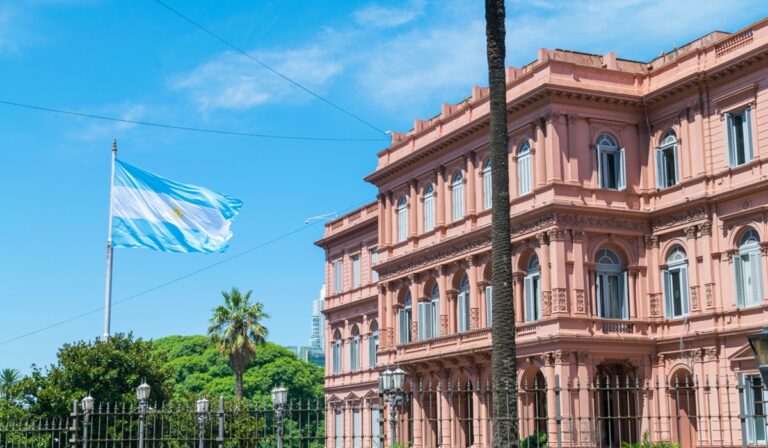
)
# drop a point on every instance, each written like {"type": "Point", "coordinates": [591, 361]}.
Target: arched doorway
{"type": "Point", "coordinates": [616, 405]}
{"type": "Point", "coordinates": [682, 395]}
{"type": "Point", "coordinates": [533, 409]}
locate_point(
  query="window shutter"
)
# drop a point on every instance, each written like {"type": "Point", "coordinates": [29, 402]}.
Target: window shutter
{"type": "Point", "coordinates": [661, 179]}
{"type": "Point", "coordinates": [374, 260]}
{"type": "Point", "coordinates": [357, 428]}
{"type": "Point", "coordinates": [372, 351]}
{"type": "Point", "coordinates": [599, 167]}
{"type": "Point", "coordinates": [428, 320]}
{"type": "Point", "coordinates": [729, 144]}
{"type": "Point", "coordinates": [745, 406]}
{"type": "Point", "coordinates": [421, 321]}
{"type": "Point", "coordinates": [338, 429]}
{"type": "Point", "coordinates": [668, 294]}
{"type": "Point", "coordinates": [624, 295]}
{"type": "Point", "coordinates": [739, 280]}
{"type": "Point", "coordinates": [598, 296]}
{"type": "Point", "coordinates": [429, 212]}
{"type": "Point", "coordinates": [530, 303]}
{"type": "Point", "coordinates": [678, 173]}
{"type": "Point", "coordinates": [488, 189]}
{"type": "Point", "coordinates": [462, 313]}
{"type": "Point", "coordinates": [489, 305]}
{"type": "Point", "coordinates": [748, 153]}
{"type": "Point", "coordinates": [757, 278]}
{"type": "Point", "coordinates": [622, 183]}
{"type": "Point", "coordinates": [686, 306]}
{"type": "Point", "coordinates": [403, 324]}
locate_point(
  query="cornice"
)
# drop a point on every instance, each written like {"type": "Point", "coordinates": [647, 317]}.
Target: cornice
{"type": "Point", "coordinates": [357, 228]}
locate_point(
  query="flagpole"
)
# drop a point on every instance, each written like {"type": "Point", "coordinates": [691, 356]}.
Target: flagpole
{"type": "Point", "coordinates": [108, 289]}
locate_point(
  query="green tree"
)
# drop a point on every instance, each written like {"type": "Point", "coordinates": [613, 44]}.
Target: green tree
{"type": "Point", "coordinates": [237, 330]}
{"type": "Point", "coordinates": [9, 378]}
{"type": "Point", "coordinates": [110, 370]}
{"type": "Point", "coordinates": [504, 362]}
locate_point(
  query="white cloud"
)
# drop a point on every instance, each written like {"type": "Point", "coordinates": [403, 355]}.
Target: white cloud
{"type": "Point", "coordinates": [103, 130]}
{"type": "Point", "coordinates": [7, 41]}
{"type": "Point", "coordinates": [233, 81]}
{"type": "Point", "coordinates": [388, 16]}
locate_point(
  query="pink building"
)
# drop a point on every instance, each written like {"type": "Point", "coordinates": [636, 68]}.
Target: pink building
{"type": "Point", "coordinates": [640, 227]}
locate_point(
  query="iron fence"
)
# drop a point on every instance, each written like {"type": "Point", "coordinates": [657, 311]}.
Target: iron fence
{"type": "Point", "coordinates": [607, 412]}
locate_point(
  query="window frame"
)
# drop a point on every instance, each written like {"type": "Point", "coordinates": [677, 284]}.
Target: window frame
{"type": "Point", "coordinates": [606, 146]}
{"type": "Point", "coordinates": [669, 143]}
{"type": "Point", "coordinates": [402, 218]}
{"type": "Point", "coordinates": [603, 273]}
{"type": "Point", "coordinates": [747, 264]}
{"type": "Point", "coordinates": [354, 350]}
{"type": "Point", "coordinates": [338, 275]}
{"type": "Point", "coordinates": [457, 196]}
{"type": "Point", "coordinates": [374, 256]}
{"type": "Point", "coordinates": [405, 320]}
{"type": "Point", "coordinates": [532, 291]}
{"type": "Point", "coordinates": [731, 136]}
{"type": "Point", "coordinates": [429, 207]}
{"type": "Point", "coordinates": [748, 407]}
{"type": "Point", "coordinates": [463, 306]}
{"type": "Point", "coordinates": [524, 168]}
{"type": "Point", "coordinates": [487, 184]}
{"type": "Point", "coordinates": [356, 280]}
{"type": "Point", "coordinates": [677, 264]}
{"type": "Point", "coordinates": [373, 345]}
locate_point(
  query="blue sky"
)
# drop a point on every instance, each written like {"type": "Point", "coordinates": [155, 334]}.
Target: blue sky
{"type": "Point", "coordinates": [388, 62]}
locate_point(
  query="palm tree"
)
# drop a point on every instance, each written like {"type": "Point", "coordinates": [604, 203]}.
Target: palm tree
{"type": "Point", "coordinates": [504, 362]}
{"type": "Point", "coordinates": [237, 330]}
{"type": "Point", "coordinates": [8, 379]}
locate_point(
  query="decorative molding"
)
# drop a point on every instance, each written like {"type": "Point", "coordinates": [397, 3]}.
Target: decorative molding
{"type": "Point", "coordinates": [543, 238]}
{"type": "Point", "coordinates": [711, 353]}
{"type": "Point", "coordinates": [414, 331]}
{"type": "Point", "coordinates": [651, 241]}
{"type": "Point", "coordinates": [706, 228]}
{"type": "Point", "coordinates": [673, 220]}
{"type": "Point", "coordinates": [384, 337]}
{"type": "Point", "coordinates": [546, 301]}
{"type": "Point", "coordinates": [577, 235]}
{"type": "Point", "coordinates": [443, 325]}
{"type": "Point", "coordinates": [708, 294]}
{"type": "Point", "coordinates": [559, 297]}
{"type": "Point", "coordinates": [443, 255]}
{"type": "Point", "coordinates": [694, 298]}
{"type": "Point", "coordinates": [474, 318]}
{"type": "Point", "coordinates": [654, 300]}
{"type": "Point", "coordinates": [557, 234]}
{"type": "Point", "coordinates": [579, 300]}
{"type": "Point", "coordinates": [690, 232]}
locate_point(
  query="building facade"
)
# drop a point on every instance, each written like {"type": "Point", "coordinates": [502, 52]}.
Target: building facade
{"type": "Point", "coordinates": [639, 215]}
{"type": "Point", "coordinates": [317, 338]}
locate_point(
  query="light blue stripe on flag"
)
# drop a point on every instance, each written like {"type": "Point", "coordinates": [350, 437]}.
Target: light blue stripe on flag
{"type": "Point", "coordinates": [160, 214]}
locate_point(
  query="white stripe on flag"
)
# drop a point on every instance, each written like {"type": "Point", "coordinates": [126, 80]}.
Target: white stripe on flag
{"type": "Point", "coordinates": [133, 203]}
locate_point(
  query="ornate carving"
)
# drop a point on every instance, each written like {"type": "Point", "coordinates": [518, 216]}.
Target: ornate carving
{"type": "Point", "coordinates": [706, 228]}
{"type": "Point", "coordinates": [577, 235]}
{"type": "Point", "coordinates": [651, 241]}
{"type": "Point", "coordinates": [694, 298]}
{"type": "Point", "coordinates": [560, 356]}
{"type": "Point", "coordinates": [696, 354]}
{"type": "Point", "coordinates": [547, 359]}
{"type": "Point", "coordinates": [654, 300]}
{"type": "Point", "coordinates": [558, 295]}
{"type": "Point", "coordinates": [708, 293]}
{"type": "Point", "coordinates": [445, 254]}
{"type": "Point", "coordinates": [474, 318]}
{"type": "Point", "coordinates": [546, 301]}
{"type": "Point", "coordinates": [414, 331]}
{"type": "Point", "coordinates": [670, 221]}
{"type": "Point", "coordinates": [562, 220]}
{"type": "Point", "coordinates": [384, 337]}
{"type": "Point", "coordinates": [543, 238]}
{"type": "Point", "coordinates": [690, 232]}
{"type": "Point", "coordinates": [443, 325]}
{"type": "Point", "coordinates": [579, 300]}
{"type": "Point", "coordinates": [711, 353]}
{"type": "Point", "coordinates": [557, 234]}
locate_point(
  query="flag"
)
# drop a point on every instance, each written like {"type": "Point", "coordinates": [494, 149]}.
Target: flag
{"type": "Point", "coordinates": [160, 214]}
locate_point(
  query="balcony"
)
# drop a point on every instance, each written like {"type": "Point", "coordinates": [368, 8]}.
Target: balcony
{"type": "Point", "coordinates": [448, 344]}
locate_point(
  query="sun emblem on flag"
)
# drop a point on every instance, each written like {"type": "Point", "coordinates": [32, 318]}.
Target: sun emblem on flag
{"type": "Point", "coordinates": [178, 213]}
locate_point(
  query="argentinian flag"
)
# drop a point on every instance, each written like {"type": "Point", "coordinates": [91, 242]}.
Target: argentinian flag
{"type": "Point", "coordinates": [160, 214]}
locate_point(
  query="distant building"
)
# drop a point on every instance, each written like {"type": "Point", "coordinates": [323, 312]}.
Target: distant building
{"type": "Point", "coordinates": [317, 339]}
{"type": "Point", "coordinates": [308, 354]}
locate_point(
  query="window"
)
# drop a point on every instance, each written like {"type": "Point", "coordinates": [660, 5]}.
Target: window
{"type": "Point", "coordinates": [489, 305]}
{"type": "Point", "coordinates": [402, 219]}
{"type": "Point", "coordinates": [338, 429]}
{"type": "Point", "coordinates": [337, 275]}
{"type": "Point", "coordinates": [374, 260]}
{"type": "Point", "coordinates": [738, 133]}
{"type": "Point", "coordinates": [336, 354]}
{"type": "Point", "coordinates": [463, 304]}
{"type": "Point", "coordinates": [375, 427]}
{"type": "Point", "coordinates": [429, 208]}
{"type": "Point", "coordinates": [667, 165]}
{"type": "Point", "coordinates": [524, 168]}
{"type": "Point", "coordinates": [610, 285]}
{"type": "Point", "coordinates": [753, 406]}
{"type": "Point", "coordinates": [373, 345]}
{"type": "Point", "coordinates": [354, 350]}
{"type": "Point", "coordinates": [611, 173]}
{"type": "Point", "coordinates": [532, 290]}
{"type": "Point", "coordinates": [404, 317]}
{"type": "Point", "coordinates": [429, 315]}
{"type": "Point", "coordinates": [675, 283]}
{"type": "Point", "coordinates": [357, 428]}
{"type": "Point", "coordinates": [748, 271]}
{"type": "Point", "coordinates": [487, 184]}
{"type": "Point", "coordinates": [356, 271]}
{"type": "Point", "coordinates": [457, 187]}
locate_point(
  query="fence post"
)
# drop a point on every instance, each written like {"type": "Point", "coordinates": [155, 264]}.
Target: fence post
{"type": "Point", "coordinates": [742, 414]}
{"type": "Point", "coordinates": [382, 431]}
{"type": "Point", "coordinates": [74, 428]}
{"type": "Point", "coordinates": [220, 418]}
{"type": "Point", "coordinates": [558, 413]}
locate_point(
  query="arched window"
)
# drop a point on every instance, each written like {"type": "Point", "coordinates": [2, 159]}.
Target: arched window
{"type": "Point", "coordinates": [611, 172]}
{"type": "Point", "coordinates": [738, 134]}
{"type": "Point", "coordinates": [532, 290]}
{"type": "Point", "coordinates": [336, 354]}
{"type": "Point", "coordinates": [610, 285]}
{"type": "Point", "coordinates": [457, 191]}
{"type": "Point", "coordinates": [524, 168]}
{"type": "Point", "coordinates": [429, 208]}
{"type": "Point", "coordinates": [748, 271]}
{"type": "Point", "coordinates": [675, 283]}
{"type": "Point", "coordinates": [487, 184]}
{"type": "Point", "coordinates": [404, 316]}
{"type": "Point", "coordinates": [354, 350]}
{"type": "Point", "coordinates": [429, 315]}
{"type": "Point", "coordinates": [373, 345]}
{"type": "Point", "coordinates": [402, 218]}
{"type": "Point", "coordinates": [463, 305]}
{"type": "Point", "coordinates": [667, 161]}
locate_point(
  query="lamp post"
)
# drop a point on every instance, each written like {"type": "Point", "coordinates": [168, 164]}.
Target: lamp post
{"type": "Point", "coordinates": [759, 344]}
{"type": "Point", "coordinates": [142, 394]}
{"type": "Point", "coordinates": [279, 401]}
{"type": "Point", "coordinates": [201, 410]}
{"type": "Point", "coordinates": [391, 385]}
{"type": "Point", "coordinates": [87, 405]}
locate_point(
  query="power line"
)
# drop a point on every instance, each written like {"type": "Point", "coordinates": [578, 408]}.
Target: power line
{"type": "Point", "coordinates": [170, 282]}
{"type": "Point", "coordinates": [273, 70]}
{"type": "Point", "coordinates": [185, 128]}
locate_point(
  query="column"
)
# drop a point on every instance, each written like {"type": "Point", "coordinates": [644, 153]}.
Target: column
{"type": "Point", "coordinates": [546, 288]}
{"type": "Point", "coordinates": [540, 156]}
{"type": "Point", "coordinates": [517, 288]}
{"type": "Point", "coordinates": [347, 419]}
{"type": "Point", "coordinates": [474, 305]}
{"type": "Point", "coordinates": [558, 281]}
{"type": "Point", "coordinates": [388, 221]}
{"type": "Point", "coordinates": [471, 187]}
{"type": "Point", "coordinates": [584, 408]}
{"type": "Point", "coordinates": [548, 370]}
{"type": "Point", "coordinates": [577, 244]}
{"type": "Point", "coordinates": [445, 411]}
{"type": "Point", "coordinates": [415, 288]}
{"type": "Point", "coordinates": [382, 218]}
{"type": "Point", "coordinates": [452, 295]}
{"type": "Point", "coordinates": [632, 293]}
{"type": "Point", "coordinates": [481, 299]}
{"type": "Point", "coordinates": [442, 283]}
{"type": "Point", "coordinates": [413, 200]}
{"type": "Point", "coordinates": [706, 267]}
{"type": "Point", "coordinates": [563, 373]}
{"type": "Point", "coordinates": [693, 268]}
{"type": "Point", "coordinates": [477, 429]}
{"type": "Point", "coordinates": [365, 414]}
{"type": "Point", "coordinates": [330, 427]}
{"type": "Point", "coordinates": [418, 413]}
{"type": "Point", "coordinates": [382, 315]}
{"type": "Point", "coordinates": [655, 307]}
{"type": "Point", "coordinates": [441, 199]}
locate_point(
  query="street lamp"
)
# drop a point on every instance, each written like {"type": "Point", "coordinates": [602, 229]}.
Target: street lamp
{"type": "Point", "coordinates": [87, 404]}
{"type": "Point", "coordinates": [391, 386]}
{"type": "Point", "coordinates": [759, 344]}
{"type": "Point", "coordinates": [201, 409]}
{"type": "Point", "coordinates": [142, 394]}
{"type": "Point", "coordinates": [279, 402]}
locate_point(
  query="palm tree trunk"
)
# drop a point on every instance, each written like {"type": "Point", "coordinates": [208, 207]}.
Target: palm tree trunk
{"type": "Point", "coordinates": [504, 363]}
{"type": "Point", "coordinates": [239, 385]}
